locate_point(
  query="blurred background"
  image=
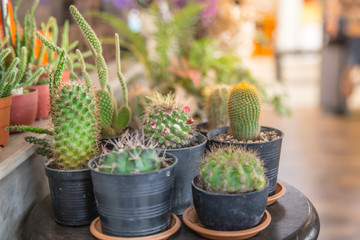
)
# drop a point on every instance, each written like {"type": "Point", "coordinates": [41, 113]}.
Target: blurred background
{"type": "Point", "coordinates": [301, 54]}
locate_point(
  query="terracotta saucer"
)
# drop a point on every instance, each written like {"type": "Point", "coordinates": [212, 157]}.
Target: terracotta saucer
{"type": "Point", "coordinates": [279, 192]}
{"type": "Point", "coordinates": [192, 220]}
{"type": "Point", "coordinates": [95, 229]}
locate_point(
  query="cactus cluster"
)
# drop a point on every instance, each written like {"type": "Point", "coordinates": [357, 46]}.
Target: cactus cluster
{"type": "Point", "coordinates": [166, 123]}
{"type": "Point", "coordinates": [10, 77]}
{"type": "Point", "coordinates": [232, 170]}
{"type": "Point", "coordinates": [113, 119]}
{"type": "Point", "coordinates": [216, 107]}
{"type": "Point", "coordinates": [244, 106]}
{"type": "Point", "coordinates": [130, 160]}
{"type": "Point", "coordinates": [75, 124]}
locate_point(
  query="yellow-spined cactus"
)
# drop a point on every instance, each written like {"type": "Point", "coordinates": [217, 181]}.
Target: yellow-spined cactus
{"type": "Point", "coordinates": [244, 106]}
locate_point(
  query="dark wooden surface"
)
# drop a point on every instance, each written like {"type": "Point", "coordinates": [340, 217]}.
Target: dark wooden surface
{"type": "Point", "coordinates": [293, 217]}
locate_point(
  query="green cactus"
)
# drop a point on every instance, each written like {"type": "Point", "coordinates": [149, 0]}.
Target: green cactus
{"type": "Point", "coordinates": [244, 106]}
{"type": "Point", "coordinates": [232, 170]}
{"type": "Point", "coordinates": [131, 160]}
{"type": "Point", "coordinates": [216, 107]}
{"type": "Point", "coordinates": [113, 119]}
{"type": "Point", "coordinates": [166, 123]}
{"type": "Point", "coordinates": [11, 76]}
{"type": "Point", "coordinates": [75, 123]}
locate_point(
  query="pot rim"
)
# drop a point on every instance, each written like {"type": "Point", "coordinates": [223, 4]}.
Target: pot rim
{"type": "Point", "coordinates": [66, 170]}
{"type": "Point", "coordinates": [253, 143]}
{"type": "Point", "coordinates": [227, 194]}
{"type": "Point", "coordinates": [92, 169]}
{"type": "Point", "coordinates": [205, 139]}
{"type": "Point", "coordinates": [31, 91]}
{"type": "Point", "coordinates": [6, 99]}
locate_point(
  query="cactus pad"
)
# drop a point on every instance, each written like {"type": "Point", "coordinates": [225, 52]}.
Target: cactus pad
{"type": "Point", "coordinates": [106, 105]}
{"type": "Point", "coordinates": [244, 106]}
{"type": "Point", "coordinates": [231, 170]}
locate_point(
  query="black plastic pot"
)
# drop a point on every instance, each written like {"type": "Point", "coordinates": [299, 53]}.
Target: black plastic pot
{"type": "Point", "coordinates": [229, 212]}
{"type": "Point", "coordinates": [72, 196]}
{"type": "Point", "coordinates": [186, 169]}
{"type": "Point", "coordinates": [134, 205]}
{"type": "Point", "coordinates": [269, 152]}
{"type": "Point", "coordinates": [201, 126]}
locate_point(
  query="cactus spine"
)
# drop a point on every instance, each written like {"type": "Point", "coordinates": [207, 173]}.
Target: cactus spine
{"type": "Point", "coordinates": [216, 107]}
{"type": "Point", "coordinates": [244, 106]}
{"type": "Point", "coordinates": [168, 124]}
{"type": "Point", "coordinates": [231, 170]}
{"type": "Point", "coordinates": [75, 123]}
{"type": "Point", "coordinates": [113, 120]}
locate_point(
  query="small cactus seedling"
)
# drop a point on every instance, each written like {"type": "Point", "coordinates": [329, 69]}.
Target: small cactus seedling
{"type": "Point", "coordinates": [166, 123]}
{"type": "Point", "coordinates": [216, 107]}
{"type": "Point", "coordinates": [244, 106]}
{"type": "Point", "coordinates": [232, 170]}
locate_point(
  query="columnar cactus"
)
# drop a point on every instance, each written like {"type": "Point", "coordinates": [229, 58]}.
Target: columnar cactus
{"type": "Point", "coordinates": [232, 170]}
{"type": "Point", "coordinates": [130, 160]}
{"type": "Point", "coordinates": [166, 123]}
{"type": "Point", "coordinates": [113, 119]}
{"type": "Point", "coordinates": [244, 106]}
{"type": "Point", "coordinates": [75, 123]}
{"type": "Point", "coordinates": [216, 107]}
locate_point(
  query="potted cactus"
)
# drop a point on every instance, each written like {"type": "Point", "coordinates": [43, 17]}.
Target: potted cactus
{"type": "Point", "coordinates": [74, 136]}
{"type": "Point", "coordinates": [11, 74]}
{"type": "Point", "coordinates": [133, 186]}
{"type": "Point", "coordinates": [170, 126]}
{"type": "Point", "coordinates": [230, 193]}
{"type": "Point", "coordinates": [215, 109]}
{"type": "Point", "coordinates": [244, 108]}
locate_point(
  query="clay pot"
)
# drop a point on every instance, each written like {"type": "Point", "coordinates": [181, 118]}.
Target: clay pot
{"type": "Point", "coordinates": [5, 104]}
{"type": "Point", "coordinates": [65, 78]}
{"type": "Point", "coordinates": [24, 108]}
{"type": "Point", "coordinates": [43, 101]}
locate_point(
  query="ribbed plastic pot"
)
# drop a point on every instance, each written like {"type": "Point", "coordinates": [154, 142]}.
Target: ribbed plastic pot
{"type": "Point", "coordinates": [134, 205]}
{"type": "Point", "coordinates": [269, 152]}
{"type": "Point", "coordinates": [187, 168]}
{"type": "Point", "coordinates": [23, 109]}
{"type": "Point", "coordinates": [43, 101]}
{"type": "Point", "coordinates": [5, 104]}
{"type": "Point", "coordinates": [72, 196]}
{"type": "Point", "coordinates": [229, 212]}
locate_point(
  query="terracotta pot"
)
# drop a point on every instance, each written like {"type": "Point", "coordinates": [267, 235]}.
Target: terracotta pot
{"type": "Point", "coordinates": [24, 108]}
{"type": "Point", "coordinates": [5, 104]}
{"type": "Point", "coordinates": [43, 101]}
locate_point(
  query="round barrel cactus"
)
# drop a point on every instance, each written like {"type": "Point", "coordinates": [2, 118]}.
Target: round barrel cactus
{"type": "Point", "coordinates": [232, 170]}
{"type": "Point", "coordinates": [167, 124]}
